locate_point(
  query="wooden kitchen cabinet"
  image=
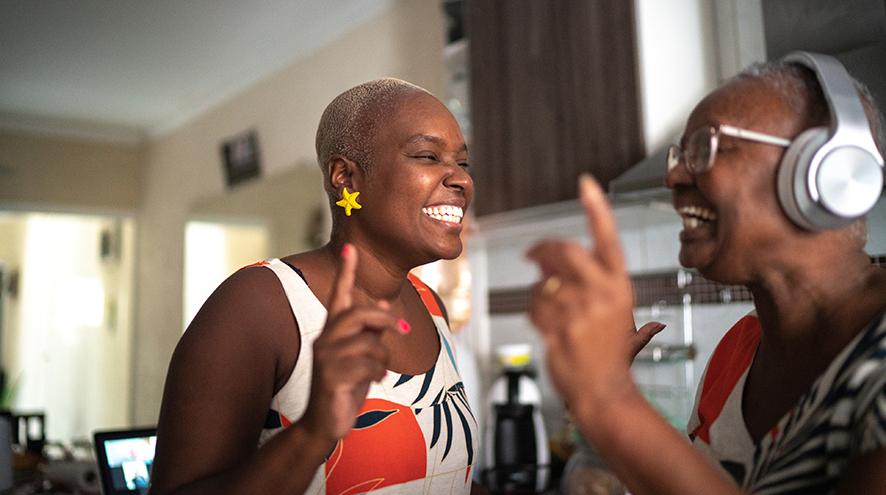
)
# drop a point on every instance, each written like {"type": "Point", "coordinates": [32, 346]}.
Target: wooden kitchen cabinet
{"type": "Point", "coordinates": [553, 93]}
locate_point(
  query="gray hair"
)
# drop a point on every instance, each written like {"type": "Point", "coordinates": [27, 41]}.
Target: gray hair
{"type": "Point", "coordinates": [351, 120]}
{"type": "Point", "coordinates": [800, 87]}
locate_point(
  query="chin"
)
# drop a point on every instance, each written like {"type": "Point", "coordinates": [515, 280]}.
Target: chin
{"type": "Point", "coordinates": [434, 253]}
{"type": "Point", "coordinates": [449, 251]}
{"type": "Point", "coordinates": [451, 254]}
{"type": "Point", "coordinates": [702, 261]}
{"type": "Point", "coordinates": [691, 258]}
{"type": "Point", "coordinates": [718, 269]}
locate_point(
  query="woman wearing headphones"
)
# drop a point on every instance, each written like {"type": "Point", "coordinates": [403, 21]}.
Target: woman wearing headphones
{"type": "Point", "coordinates": [793, 399]}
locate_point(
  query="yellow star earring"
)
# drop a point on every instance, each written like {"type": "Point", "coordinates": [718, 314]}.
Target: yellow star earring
{"type": "Point", "coordinates": [348, 201]}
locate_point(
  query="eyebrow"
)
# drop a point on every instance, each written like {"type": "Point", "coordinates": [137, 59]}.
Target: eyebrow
{"type": "Point", "coordinates": [418, 138]}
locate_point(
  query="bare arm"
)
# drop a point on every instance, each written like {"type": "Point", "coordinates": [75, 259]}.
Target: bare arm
{"type": "Point", "coordinates": [584, 319]}
{"type": "Point", "coordinates": [647, 453]}
{"type": "Point", "coordinates": [221, 381]}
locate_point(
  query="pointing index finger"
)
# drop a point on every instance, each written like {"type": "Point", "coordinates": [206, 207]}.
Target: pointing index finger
{"type": "Point", "coordinates": [601, 223]}
{"type": "Point", "coordinates": [343, 287]}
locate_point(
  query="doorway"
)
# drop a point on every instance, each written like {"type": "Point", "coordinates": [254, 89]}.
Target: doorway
{"type": "Point", "coordinates": [65, 323]}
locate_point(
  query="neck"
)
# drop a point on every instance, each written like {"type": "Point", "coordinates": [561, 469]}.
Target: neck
{"type": "Point", "coordinates": [807, 305]}
{"type": "Point", "coordinates": [377, 277]}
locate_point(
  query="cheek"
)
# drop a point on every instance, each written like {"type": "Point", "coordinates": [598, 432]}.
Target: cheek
{"type": "Point", "coordinates": [423, 180]}
{"type": "Point", "coordinates": [401, 193]}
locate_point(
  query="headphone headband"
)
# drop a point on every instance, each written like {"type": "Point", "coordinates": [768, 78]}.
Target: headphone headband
{"type": "Point", "coordinates": [831, 176]}
{"type": "Point", "coordinates": [849, 123]}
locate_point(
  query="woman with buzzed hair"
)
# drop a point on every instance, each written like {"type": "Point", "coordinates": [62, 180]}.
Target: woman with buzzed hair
{"type": "Point", "coordinates": [333, 371]}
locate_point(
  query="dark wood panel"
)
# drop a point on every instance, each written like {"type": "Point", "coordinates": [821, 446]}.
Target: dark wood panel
{"type": "Point", "coordinates": [553, 93]}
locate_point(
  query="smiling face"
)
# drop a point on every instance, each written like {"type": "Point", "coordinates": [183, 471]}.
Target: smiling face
{"type": "Point", "coordinates": [417, 188]}
{"type": "Point", "coordinates": [732, 221]}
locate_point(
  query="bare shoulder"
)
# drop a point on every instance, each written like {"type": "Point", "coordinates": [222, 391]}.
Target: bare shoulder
{"type": "Point", "coordinates": [222, 377]}
{"type": "Point", "coordinates": [250, 307]}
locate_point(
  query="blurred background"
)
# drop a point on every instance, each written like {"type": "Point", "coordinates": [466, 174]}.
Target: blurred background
{"type": "Point", "coordinates": [150, 148]}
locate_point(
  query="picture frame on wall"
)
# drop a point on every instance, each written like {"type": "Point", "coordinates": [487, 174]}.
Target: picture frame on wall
{"type": "Point", "coordinates": [241, 158]}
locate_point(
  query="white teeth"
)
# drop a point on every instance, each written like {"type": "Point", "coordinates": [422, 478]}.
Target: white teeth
{"type": "Point", "coordinates": [690, 222]}
{"type": "Point", "coordinates": [697, 212]}
{"type": "Point", "coordinates": [445, 213]}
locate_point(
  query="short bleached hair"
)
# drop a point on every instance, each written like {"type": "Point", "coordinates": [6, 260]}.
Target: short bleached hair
{"type": "Point", "coordinates": [351, 120]}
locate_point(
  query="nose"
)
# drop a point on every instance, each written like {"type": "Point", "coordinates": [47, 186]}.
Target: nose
{"type": "Point", "coordinates": [679, 176]}
{"type": "Point", "coordinates": [459, 178]}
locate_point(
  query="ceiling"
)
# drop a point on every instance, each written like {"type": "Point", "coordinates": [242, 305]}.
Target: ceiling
{"type": "Point", "coordinates": [141, 68]}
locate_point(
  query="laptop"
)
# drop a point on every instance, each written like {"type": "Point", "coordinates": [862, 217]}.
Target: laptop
{"type": "Point", "coordinates": [124, 459]}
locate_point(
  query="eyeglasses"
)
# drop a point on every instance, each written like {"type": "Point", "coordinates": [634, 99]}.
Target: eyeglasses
{"type": "Point", "coordinates": [701, 147]}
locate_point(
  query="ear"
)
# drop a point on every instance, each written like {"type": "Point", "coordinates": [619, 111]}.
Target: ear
{"type": "Point", "coordinates": [344, 172]}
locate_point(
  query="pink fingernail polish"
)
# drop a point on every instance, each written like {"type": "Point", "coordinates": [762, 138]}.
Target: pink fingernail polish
{"type": "Point", "coordinates": [403, 326]}
{"type": "Point", "coordinates": [345, 250]}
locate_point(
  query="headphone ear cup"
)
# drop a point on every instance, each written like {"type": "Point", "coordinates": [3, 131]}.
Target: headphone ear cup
{"type": "Point", "coordinates": [793, 171]}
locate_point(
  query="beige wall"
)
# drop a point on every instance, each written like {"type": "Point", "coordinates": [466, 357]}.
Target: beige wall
{"type": "Point", "coordinates": [46, 172]}
{"type": "Point", "coordinates": [184, 168]}
{"type": "Point", "coordinates": [287, 203]}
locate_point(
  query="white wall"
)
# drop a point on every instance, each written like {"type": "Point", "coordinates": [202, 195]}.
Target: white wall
{"type": "Point", "coordinates": [677, 64]}
{"type": "Point", "coordinates": [739, 34]}
{"type": "Point", "coordinates": [876, 245]}
{"type": "Point", "coordinates": [183, 167]}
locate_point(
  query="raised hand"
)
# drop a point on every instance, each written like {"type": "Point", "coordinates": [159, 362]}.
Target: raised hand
{"type": "Point", "coordinates": [583, 307]}
{"type": "Point", "coordinates": [348, 356]}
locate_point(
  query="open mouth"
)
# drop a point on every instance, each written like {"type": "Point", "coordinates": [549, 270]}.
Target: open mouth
{"type": "Point", "coordinates": [445, 213]}
{"type": "Point", "coordinates": [696, 216]}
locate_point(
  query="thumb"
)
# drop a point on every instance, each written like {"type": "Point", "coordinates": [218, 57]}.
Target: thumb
{"type": "Point", "coordinates": [644, 334]}
{"type": "Point", "coordinates": [647, 331]}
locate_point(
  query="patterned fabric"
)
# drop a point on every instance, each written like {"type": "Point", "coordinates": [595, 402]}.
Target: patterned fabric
{"type": "Point", "coordinates": [415, 434]}
{"type": "Point", "coordinates": [841, 417]}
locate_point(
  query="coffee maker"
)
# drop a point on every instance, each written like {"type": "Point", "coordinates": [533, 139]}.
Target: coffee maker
{"type": "Point", "coordinates": [516, 453]}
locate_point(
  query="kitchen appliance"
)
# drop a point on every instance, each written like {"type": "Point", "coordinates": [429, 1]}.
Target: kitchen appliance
{"type": "Point", "coordinates": [516, 453]}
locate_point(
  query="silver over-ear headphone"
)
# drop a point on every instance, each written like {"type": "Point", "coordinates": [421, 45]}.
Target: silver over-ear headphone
{"type": "Point", "coordinates": [831, 176]}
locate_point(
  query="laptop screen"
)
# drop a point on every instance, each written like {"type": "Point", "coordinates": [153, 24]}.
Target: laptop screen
{"type": "Point", "coordinates": [124, 459]}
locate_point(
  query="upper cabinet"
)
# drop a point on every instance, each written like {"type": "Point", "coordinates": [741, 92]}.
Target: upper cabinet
{"type": "Point", "coordinates": [554, 92]}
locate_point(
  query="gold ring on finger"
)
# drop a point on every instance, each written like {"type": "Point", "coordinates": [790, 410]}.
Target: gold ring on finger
{"type": "Point", "coordinates": [551, 285]}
